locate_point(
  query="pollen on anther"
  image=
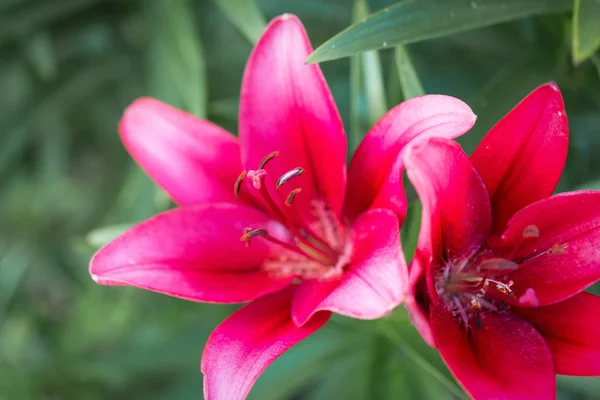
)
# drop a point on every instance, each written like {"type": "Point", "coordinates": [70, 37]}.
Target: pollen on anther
{"type": "Point", "coordinates": [291, 196]}
{"type": "Point", "coordinates": [238, 183]}
{"type": "Point", "coordinates": [267, 158]}
{"type": "Point", "coordinates": [531, 231]}
{"type": "Point", "coordinates": [288, 176]}
{"type": "Point", "coordinates": [252, 233]}
{"type": "Point", "coordinates": [557, 249]}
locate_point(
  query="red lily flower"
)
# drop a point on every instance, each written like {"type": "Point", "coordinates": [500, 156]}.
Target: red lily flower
{"type": "Point", "coordinates": [497, 279]}
{"type": "Point", "coordinates": [266, 219]}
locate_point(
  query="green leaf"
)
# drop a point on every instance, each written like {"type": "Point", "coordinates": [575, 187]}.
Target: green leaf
{"type": "Point", "coordinates": [409, 80]}
{"type": "Point", "coordinates": [246, 16]}
{"type": "Point", "coordinates": [366, 82]}
{"type": "Point", "coordinates": [102, 236]}
{"type": "Point", "coordinates": [396, 338]}
{"type": "Point", "coordinates": [413, 20]}
{"type": "Point", "coordinates": [183, 61]}
{"type": "Point", "coordinates": [410, 230]}
{"type": "Point", "coordinates": [586, 29]}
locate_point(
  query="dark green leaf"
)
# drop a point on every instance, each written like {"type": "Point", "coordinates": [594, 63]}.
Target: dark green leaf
{"type": "Point", "coordinates": [413, 20]}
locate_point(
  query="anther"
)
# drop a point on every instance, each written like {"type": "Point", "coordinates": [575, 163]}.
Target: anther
{"type": "Point", "coordinates": [498, 264]}
{"type": "Point", "coordinates": [238, 183]}
{"type": "Point", "coordinates": [476, 306]}
{"type": "Point", "coordinates": [291, 196]}
{"type": "Point", "coordinates": [531, 231]}
{"type": "Point", "coordinates": [252, 233]}
{"type": "Point", "coordinates": [267, 158]}
{"type": "Point", "coordinates": [288, 176]}
{"type": "Point", "coordinates": [504, 288]}
{"type": "Point", "coordinates": [557, 249]}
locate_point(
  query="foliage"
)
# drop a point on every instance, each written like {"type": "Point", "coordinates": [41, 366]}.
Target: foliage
{"type": "Point", "coordinates": [70, 67]}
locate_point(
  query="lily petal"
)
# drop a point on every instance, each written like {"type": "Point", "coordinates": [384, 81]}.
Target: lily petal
{"type": "Point", "coordinates": [522, 157]}
{"type": "Point", "coordinates": [374, 282]}
{"type": "Point", "coordinates": [248, 341]}
{"type": "Point", "coordinates": [571, 329]}
{"type": "Point", "coordinates": [506, 359]}
{"type": "Point", "coordinates": [453, 196]}
{"type": "Point", "coordinates": [417, 301]}
{"type": "Point", "coordinates": [375, 172]}
{"type": "Point", "coordinates": [286, 106]}
{"type": "Point", "coordinates": [193, 253]}
{"type": "Point", "coordinates": [194, 160]}
{"type": "Point", "coordinates": [564, 260]}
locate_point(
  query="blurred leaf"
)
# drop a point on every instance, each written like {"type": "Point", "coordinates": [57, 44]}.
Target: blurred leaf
{"type": "Point", "coordinates": [416, 20]}
{"type": "Point", "coordinates": [246, 16]}
{"type": "Point", "coordinates": [304, 363]}
{"type": "Point", "coordinates": [36, 14]}
{"type": "Point", "coordinates": [84, 82]}
{"type": "Point", "coordinates": [180, 50]}
{"type": "Point", "coordinates": [41, 55]}
{"type": "Point", "coordinates": [13, 264]}
{"type": "Point", "coordinates": [102, 236]}
{"type": "Point", "coordinates": [586, 29]}
{"type": "Point", "coordinates": [366, 82]}
{"type": "Point", "coordinates": [410, 230]}
{"type": "Point", "coordinates": [409, 80]}
{"type": "Point", "coordinates": [388, 330]}
{"type": "Point", "coordinates": [225, 108]}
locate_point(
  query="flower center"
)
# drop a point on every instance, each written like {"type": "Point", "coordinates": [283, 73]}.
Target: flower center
{"type": "Point", "coordinates": [482, 281]}
{"type": "Point", "coordinates": [315, 246]}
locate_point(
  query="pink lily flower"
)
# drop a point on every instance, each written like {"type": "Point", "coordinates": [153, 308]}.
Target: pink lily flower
{"type": "Point", "coordinates": [269, 219]}
{"type": "Point", "coordinates": [498, 277]}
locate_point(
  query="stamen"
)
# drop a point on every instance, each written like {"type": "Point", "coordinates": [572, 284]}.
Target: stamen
{"type": "Point", "coordinates": [461, 310]}
{"type": "Point", "coordinates": [503, 287]}
{"type": "Point", "coordinates": [288, 176]}
{"type": "Point", "coordinates": [267, 158]}
{"type": "Point", "coordinates": [252, 233]}
{"type": "Point", "coordinates": [238, 183]}
{"type": "Point", "coordinates": [498, 264]}
{"type": "Point", "coordinates": [531, 231]}
{"type": "Point", "coordinates": [557, 249]}
{"type": "Point", "coordinates": [477, 309]}
{"type": "Point", "coordinates": [292, 196]}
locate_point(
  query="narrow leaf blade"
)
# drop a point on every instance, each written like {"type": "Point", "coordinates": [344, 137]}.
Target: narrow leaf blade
{"type": "Point", "coordinates": [409, 80]}
{"type": "Point", "coordinates": [412, 20]}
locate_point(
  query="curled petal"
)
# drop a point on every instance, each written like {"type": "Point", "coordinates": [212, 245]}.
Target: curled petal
{"type": "Point", "coordinates": [564, 260]}
{"type": "Point", "coordinates": [248, 341]}
{"type": "Point", "coordinates": [375, 172]}
{"type": "Point", "coordinates": [522, 157]}
{"type": "Point", "coordinates": [194, 160]}
{"type": "Point", "coordinates": [571, 329]}
{"type": "Point", "coordinates": [286, 106]}
{"type": "Point", "coordinates": [193, 253]}
{"type": "Point", "coordinates": [374, 281]}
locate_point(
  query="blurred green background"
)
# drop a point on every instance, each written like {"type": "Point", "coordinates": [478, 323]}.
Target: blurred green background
{"type": "Point", "coordinates": [68, 68]}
